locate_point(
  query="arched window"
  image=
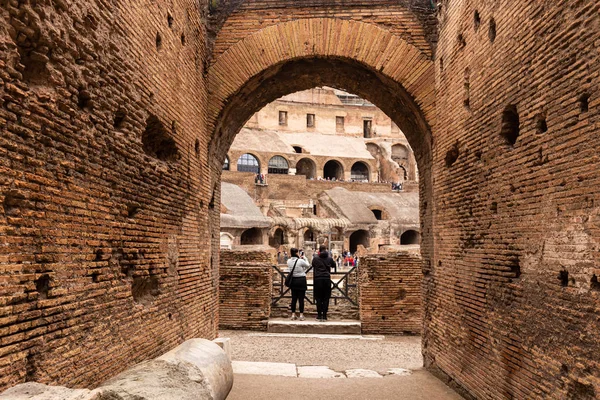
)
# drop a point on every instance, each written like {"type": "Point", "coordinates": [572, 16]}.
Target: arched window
{"type": "Point", "coordinates": [306, 167]}
{"type": "Point", "coordinates": [333, 170]}
{"type": "Point", "coordinates": [226, 164]}
{"type": "Point", "coordinates": [359, 237]}
{"type": "Point", "coordinates": [251, 236]}
{"type": "Point", "coordinates": [248, 163]}
{"type": "Point", "coordinates": [278, 165]}
{"type": "Point", "coordinates": [309, 236]}
{"type": "Point", "coordinates": [410, 237]}
{"type": "Point", "coordinates": [360, 172]}
{"type": "Point", "coordinates": [226, 241]}
{"type": "Point", "coordinates": [278, 238]}
{"type": "Point", "coordinates": [399, 152]}
{"type": "Point", "coordinates": [378, 214]}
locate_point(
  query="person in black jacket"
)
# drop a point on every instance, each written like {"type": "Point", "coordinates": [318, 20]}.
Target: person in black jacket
{"type": "Point", "coordinates": [322, 266]}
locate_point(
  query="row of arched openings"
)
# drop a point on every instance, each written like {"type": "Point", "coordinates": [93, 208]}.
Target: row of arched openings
{"type": "Point", "coordinates": [333, 170]}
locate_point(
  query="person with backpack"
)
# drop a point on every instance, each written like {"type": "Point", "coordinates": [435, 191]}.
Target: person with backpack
{"type": "Point", "coordinates": [322, 266]}
{"type": "Point", "coordinates": [297, 266]}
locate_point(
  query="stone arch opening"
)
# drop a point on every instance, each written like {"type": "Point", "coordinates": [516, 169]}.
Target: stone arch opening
{"type": "Point", "coordinates": [333, 170]}
{"type": "Point", "coordinates": [399, 152]}
{"type": "Point", "coordinates": [278, 165]}
{"type": "Point", "coordinates": [277, 238]}
{"type": "Point", "coordinates": [375, 65]}
{"type": "Point", "coordinates": [226, 240]}
{"type": "Point", "coordinates": [309, 235]}
{"type": "Point", "coordinates": [359, 172]}
{"type": "Point", "coordinates": [360, 237]}
{"type": "Point", "coordinates": [251, 236]}
{"type": "Point", "coordinates": [306, 167]}
{"type": "Point", "coordinates": [226, 166]}
{"type": "Point", "coordinates": [410, 237]}
{"type": "Point", "coordinates": [248, 163]}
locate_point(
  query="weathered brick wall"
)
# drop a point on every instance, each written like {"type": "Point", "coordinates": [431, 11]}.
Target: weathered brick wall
{"type": "Point", "coordinates": [512, 299]}
{"type": "Point", "coordinates": [296, 187]}
{"type": "Point", "coordinates": [413, 20]}
{"type": "Point", "coordinates": [104, 259]}
{"type": "Point", "coordinates": [245, 288]}
{"type": "Point", "coordinates": [390, 293]}
{"type": "Point", "coordinates": [244, 296]}
{"type": "Point", "coordinates": [258, 254]}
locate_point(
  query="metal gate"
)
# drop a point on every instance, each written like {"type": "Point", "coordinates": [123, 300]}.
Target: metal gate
{"type": "Point", "coordinates": [344, 286]}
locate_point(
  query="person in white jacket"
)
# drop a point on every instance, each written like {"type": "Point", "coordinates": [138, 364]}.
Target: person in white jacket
{"type": "Point", "coordinates": [297, 265]}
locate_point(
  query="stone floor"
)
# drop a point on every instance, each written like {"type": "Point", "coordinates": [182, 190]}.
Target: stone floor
{"type": "Point", "coordinates": [286, 366]}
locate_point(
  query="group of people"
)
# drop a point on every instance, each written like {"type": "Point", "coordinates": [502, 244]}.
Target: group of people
{"type": "Point", "coordinates": [322, 265]}
{"type": "Point", "coordinates": [347, 259]}
{"type": "Point", "coordinates": [260, 179]}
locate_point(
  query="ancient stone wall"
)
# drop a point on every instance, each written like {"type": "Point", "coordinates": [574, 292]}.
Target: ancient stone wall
{"type": "Point", "coordinates": [390, 293]}
{"type": "Point", "coordinates": [104, 256]}
{"type": "Point", "coordinates": [295, 187]}
{"type": "Point", "coordinates": [245, 295]}
{"type": "Point", "coordinates": [512, 299]}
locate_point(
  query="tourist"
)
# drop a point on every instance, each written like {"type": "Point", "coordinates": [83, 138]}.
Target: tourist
{"type": "Point", "coordinates": [322, 266]}
{"type": "Point", "coordinates": [297, 266]}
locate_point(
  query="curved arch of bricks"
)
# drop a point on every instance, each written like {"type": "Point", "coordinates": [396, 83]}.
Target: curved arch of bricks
{"type": "Point", "coordinates": [374, 48]}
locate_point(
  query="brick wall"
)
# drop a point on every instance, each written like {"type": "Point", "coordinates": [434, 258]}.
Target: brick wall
{"type": "Point", "coordinates": [245, 289]}
{"type": "Point", "coordinates": [390, 293]}
{"type": "Point", "coordinates": [104, 259]}
{"type": "Point", "coordinates": [512, 299]}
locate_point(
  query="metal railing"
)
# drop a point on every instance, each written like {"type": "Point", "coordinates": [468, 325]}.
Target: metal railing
{"type": "Point", "coordinates": [344, 286]}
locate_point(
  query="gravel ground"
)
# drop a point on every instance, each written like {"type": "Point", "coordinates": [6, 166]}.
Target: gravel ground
{"type": "Point", "coordinates": [337, 354]}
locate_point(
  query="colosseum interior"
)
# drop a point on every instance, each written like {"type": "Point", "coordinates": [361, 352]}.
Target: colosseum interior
{"type": "Point", "coordinates": [117, 117]}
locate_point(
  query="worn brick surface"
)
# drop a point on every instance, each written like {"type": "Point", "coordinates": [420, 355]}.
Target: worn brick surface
{"type": "Point", "coordinates": [511, 303]}
{"type": "Point", "coordinates": [104, 260]}
{"type": "Point", "coordinates": [390, 293]}
{"type": "Point", "coordinates": [245, 285]}
{"type": "Point", "coordinates": [115, 126]}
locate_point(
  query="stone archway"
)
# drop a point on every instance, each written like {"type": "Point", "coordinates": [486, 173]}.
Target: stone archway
{"type": "Point", "coordinates": [373, 63]}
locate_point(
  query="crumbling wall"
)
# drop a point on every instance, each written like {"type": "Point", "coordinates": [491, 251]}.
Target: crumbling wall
{"type": "Point", "coordinates": [104, 260]}
{"type": "Point", "coordinates": [390, 293]}
{"type": "Point", "coordinates": [245, 288]}
{"type": "Point", "coordinates": [512, 298]}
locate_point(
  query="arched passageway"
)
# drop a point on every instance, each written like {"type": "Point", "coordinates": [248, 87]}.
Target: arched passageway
{"type": "Point", "coordinates": [308, 55]}
{"type": "Point", "coordinates": [359, 172]}
{"type": "Point", "coordinates": [226, 165]}
{"type": "Point", "coordinates": [333, 170]}
{"type": "Point", "coordinates": [277, 238]}
{"type": "Point", "coordinates": [410, 237]}
{"type": "Point", "coordinates": [309, 236]}
{"type": "Point", "coordinates": [251, 236]}
{"type": "Point", "coordinates": [359, 237]}
{"type": "Point", "coordinates": [306, 167]}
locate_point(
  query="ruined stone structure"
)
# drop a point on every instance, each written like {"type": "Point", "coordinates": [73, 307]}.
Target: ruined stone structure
{"type": "Point", "coordinates": [390, 293]}
{"type": "Point", "coordinates": [325, 133]}
{"type": "Point", "coordinates": [116, 118]}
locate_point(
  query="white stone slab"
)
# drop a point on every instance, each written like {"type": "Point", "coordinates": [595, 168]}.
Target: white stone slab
{"type": "Point", "coordinates": [399, 371]}
{"type": "Point", "coordinates": [264, 368]}
{"type": "Point", "coordinates": [318, 372]}
{"type": "Point", "coordinates": [318, 336]}
{"type": "Point", "coordinates": [362, 373]}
